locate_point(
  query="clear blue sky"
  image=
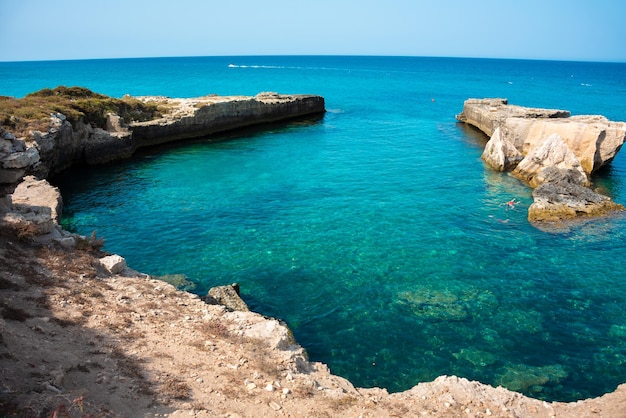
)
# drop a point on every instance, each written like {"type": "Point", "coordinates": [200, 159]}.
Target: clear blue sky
{"type": "Point", "coordinates": [536, 29]}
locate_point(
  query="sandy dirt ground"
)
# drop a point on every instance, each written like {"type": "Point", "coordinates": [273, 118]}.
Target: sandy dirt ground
{"type": "Point", "coordinates": [78, 341]}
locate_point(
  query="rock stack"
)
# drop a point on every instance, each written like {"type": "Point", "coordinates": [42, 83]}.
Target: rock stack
{"type": "Point", "coordinates": [553, 153]}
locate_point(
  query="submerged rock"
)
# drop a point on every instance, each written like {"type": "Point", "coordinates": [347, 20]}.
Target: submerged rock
{"type": "Point", "coordinates": [476, 357]}
{"type": "Point", "coordinates": [524, 378]}
{"type": "Point", "coordinates": [179, 281]}
{"type": "Point", "coordinates": [434, 305]}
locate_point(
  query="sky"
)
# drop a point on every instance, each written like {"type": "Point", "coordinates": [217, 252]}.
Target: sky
{"type": "Point", "coordinates": [579, 30]}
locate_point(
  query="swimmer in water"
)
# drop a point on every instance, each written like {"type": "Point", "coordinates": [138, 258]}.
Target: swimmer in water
{"type": "Point", "coordinates": [510, 204]}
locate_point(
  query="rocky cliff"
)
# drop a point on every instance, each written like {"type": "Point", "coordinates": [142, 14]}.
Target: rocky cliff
{"type": "Point", "coordinates": [89, 136]}
{"type": "Point", "coordinates": [552, 152]}
{"type": "Point", "coordinates": [192, 118]}
{"type": "Point", "coordinates": [67, 143]}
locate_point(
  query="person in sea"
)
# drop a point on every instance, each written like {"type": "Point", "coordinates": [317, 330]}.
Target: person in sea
{"type": "Point", "coordinates": [510, 204]}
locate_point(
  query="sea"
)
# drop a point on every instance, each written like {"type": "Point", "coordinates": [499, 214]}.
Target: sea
{"type": "Point", "coordinates": [375, 231]}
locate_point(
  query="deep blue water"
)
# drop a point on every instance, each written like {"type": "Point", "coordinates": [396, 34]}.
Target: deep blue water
{"type": "Point", "coordinates": [376, 233]}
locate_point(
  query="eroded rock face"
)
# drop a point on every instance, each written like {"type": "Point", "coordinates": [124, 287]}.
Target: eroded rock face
{"type": "Point", "coordinates": [34, 207]}
{"type": "Point", "coordinates": [192, 118]}
{"type": "Point", "coordinates": [553, 152]}
{"type": "Point", "coordinates": [594, 140]}
{"type": "Point", "coordinates": [65, 145]}
{"type": "Point", "coordinates": [500, 153]}
{"type": "Point", "coordinates": [15, 160]}
{"type": "Point", "coordinates": [559, 154]}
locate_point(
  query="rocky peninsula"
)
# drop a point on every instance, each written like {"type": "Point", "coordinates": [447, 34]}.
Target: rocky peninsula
{"type": "Point", "coordinates": [553, 152]}
{"type": "Point", "coordinates": [82, 334]}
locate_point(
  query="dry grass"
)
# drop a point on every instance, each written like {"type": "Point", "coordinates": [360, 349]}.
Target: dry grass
{"type": "Point", "coordinates": [176, 389]}
{"type": "Point", "coordinates": [214, 329]}
{"type": "Point", "coordinates": [33, 111]}
{"type": "Point", "coordinates": [91, 243]}
{"type": "Point", "coordinates": [260, 360]}
{"type": "Point", "coordinates": [23, 231]}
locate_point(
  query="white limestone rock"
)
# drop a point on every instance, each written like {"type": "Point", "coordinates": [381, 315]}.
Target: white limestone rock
{"type": "Point", "coordinates": [552, 152]}
{"type": "Point", "coordinates": [500, 153]}
{"type": "Point", "coordinates": [115, 264]}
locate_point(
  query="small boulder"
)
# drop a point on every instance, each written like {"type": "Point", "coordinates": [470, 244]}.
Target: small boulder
{"type": "Point", "coordinates": [227, 296]}
{"type": "Point", "coordinates": [115, 264]}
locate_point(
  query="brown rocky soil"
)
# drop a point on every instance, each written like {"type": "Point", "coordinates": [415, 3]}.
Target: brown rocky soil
{"type": "Point", "coordinates": [78, 341]}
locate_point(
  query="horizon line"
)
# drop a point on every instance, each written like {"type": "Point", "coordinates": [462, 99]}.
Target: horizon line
{"type": "Point", "coordinates": [314, 55]}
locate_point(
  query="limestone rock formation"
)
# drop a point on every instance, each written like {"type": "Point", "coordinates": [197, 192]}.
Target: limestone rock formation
{"type": "Point", "coordinates": [553, 152]}
{"type": "Point", "coordinates": [489, 114]}
{"type": "Point", "coordinates": [34, 207]}
{"type": "Point", "coordinates": [115, 264]}
{"type": "Point", "coordinates": [565, 200]}
{"type": "Point", "coordinates": [560, 153]}
{"type": "Point", "coordinates": [501, 154]}
{"type": "Point", "coordinates": [193, 118]}
{"type": "Point", "coordinates": [66, 144]}
{"type": "Point", "coordinates": [593, 139]}
{"type": "Point", "coordinates": [15, 160]}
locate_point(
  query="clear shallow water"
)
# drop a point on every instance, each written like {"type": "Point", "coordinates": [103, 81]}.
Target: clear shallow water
{"type": "Point", "coordinates": [376, 232]}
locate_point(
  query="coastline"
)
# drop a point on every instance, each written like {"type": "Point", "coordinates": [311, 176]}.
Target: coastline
{"type": "Point", "coordinates": [79, 339]}
{"type": "Point", "coordinates": [93, 310]}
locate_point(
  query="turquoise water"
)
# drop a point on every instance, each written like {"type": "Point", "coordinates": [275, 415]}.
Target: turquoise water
{"type": "Point", "coordinates": [375, 232]}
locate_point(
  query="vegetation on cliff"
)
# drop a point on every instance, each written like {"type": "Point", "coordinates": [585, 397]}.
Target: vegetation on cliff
{"type": "Point", "coordinates": [32, 112]}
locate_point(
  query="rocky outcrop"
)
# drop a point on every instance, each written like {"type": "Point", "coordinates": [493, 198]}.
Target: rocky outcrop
{"type": "Point", "coordinates": [227, 296]}
{"type": "Point", "coordinates": [489, 114]}
{"type": "Point", "coordinates": [593, 139]}
{"type": "Point", "coordinates": [15, 159]}
{"type": "Point", "coordinates": [66, 144]}
{"type": "Point", "coordinates": [33, 208]}
{"type": "Point", "coordinates": [192, 118]}
{"type": "Point", "coordinates": [560, 200]}
{"type": "Point", "coordinates": [554, 153]}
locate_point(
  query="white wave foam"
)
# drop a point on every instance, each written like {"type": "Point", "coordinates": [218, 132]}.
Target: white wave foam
{"type": "Point", "coordinates": [258, 66]}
